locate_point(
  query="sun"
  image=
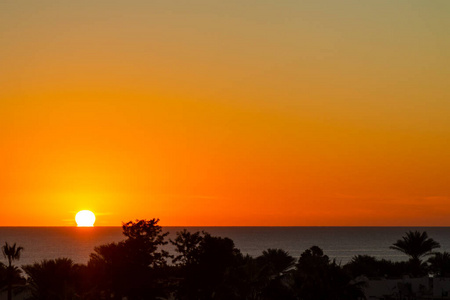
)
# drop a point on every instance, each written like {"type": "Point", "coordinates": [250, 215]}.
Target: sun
{"type": "Point", "coordinates": [85, 218]}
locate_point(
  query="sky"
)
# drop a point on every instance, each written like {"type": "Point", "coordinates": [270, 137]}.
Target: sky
{"type": "Point", "coordinates": [225, 113]}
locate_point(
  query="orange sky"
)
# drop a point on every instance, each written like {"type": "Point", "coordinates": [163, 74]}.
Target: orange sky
{"type": "Point", "coordinates": [274, 113]}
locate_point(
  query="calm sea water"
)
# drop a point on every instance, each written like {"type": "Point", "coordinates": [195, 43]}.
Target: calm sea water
{"type": "Point", "coordinates": [341, 243]}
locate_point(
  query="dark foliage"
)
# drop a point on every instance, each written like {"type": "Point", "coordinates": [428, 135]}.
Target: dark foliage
{"type": "Point", "coordinates": [276, 261]}
{"type": "Point", "coordinates": [318, 278]}
{"type": "Point", "coordinates": [55, 279]}
{"type": "Point", "coordinates": [206, 266]}
{"type": "Point", "coordinates": [416, 245]}
{"type": "Point", "coordinates": [265, 277]}
{"type": "Point", "coordinates": [144, 239]}
{"type": "Point", "coordinates": [188, 246]}
{"type": "Point", "coordinates": [364, 265]}
{"type": "Point", "coordinates": [370, 267]}
{"type": "Point", "coordinates": [439, 264]}
{"type": "Point", "coordinates": [132, 268]}
{"type": "Point", "coordinates": [11, 274]}
{"type": "Point", "coordinates": [211, 268]}
{"type": "Point", "coordinates": [11, 253]}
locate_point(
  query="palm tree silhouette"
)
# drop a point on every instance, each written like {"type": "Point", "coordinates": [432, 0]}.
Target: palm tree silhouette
{"type": "Point", "coordinates": [11, 253]}
{"type": "Point", "coordinates": [416, 245]}
{"type": "Point", "coordinates": [277, 261]}
{"type": "Point", "coordinates": [440, 264]}
{"type": "Point", "coordinates": [53, 279]}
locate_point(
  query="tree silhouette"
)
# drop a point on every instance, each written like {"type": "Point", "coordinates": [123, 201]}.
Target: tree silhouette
{"type": "Point", "coordinates": [275, 266]}
{"type": "Point", "coordinates": [277, 261]}
{"type": "Point", "coordinates": [246, 281]}
{"type": "Point", "coordinates": [416, 245]}
{"type": "Point", "coordinates": [372, 267]}
{"type": "Point", "coordinates": [440, 264]}
{"type": "Point", "coordinates": [11, 253]}
{"type": "Point", "coordinates": [265, 277]}
{"type": "Point", "coordinates": [318, 278]}
{"type": "Point", "coordinates": [144, 238]}
{"type": "Point", "coordinates": [132, 268]}
{"type": "Point", "coordinates": [17, 281]}
{"type": "Point", "coordinates": [365, 265]}
{"type": "Point", "coordinates": [205, 261]}
{"type": "Point", "coordinates": [216, 256]}
{"type": "Point", "coordinates": [109, 267]}
{"type": "Point", "coordinates": [53, 279]}
{"type": "Point", "coordinates": [187, 244]}
{"type": "Point", "coordinates": [3, 271]}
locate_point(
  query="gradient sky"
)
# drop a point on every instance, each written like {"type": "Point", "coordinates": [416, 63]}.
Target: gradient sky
{"type": "Point", "coordinates": [269, 112]}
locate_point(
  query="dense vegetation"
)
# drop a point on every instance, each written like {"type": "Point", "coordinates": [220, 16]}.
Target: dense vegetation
{"type": "Point", "coordinates": [208, 267]}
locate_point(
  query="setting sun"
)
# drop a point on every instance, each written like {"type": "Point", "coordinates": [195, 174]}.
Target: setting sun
{"type": "Point", "coordinates": [85, 218]}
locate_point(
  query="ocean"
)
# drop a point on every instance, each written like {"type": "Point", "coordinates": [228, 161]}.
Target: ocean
{"type": "Point", "coordinates": [340, 243]}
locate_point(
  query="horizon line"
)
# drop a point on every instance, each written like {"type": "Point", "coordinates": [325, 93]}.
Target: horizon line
{"type": "Point", "coordinates": [236, 226]}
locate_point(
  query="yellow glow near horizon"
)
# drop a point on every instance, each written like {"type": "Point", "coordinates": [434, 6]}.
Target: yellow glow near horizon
{"type": "Point", "coordinates": [85, 218]}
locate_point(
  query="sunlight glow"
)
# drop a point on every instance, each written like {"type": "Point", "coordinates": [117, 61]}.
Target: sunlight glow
{"type": "Point", "coordinates": [85, 218]}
